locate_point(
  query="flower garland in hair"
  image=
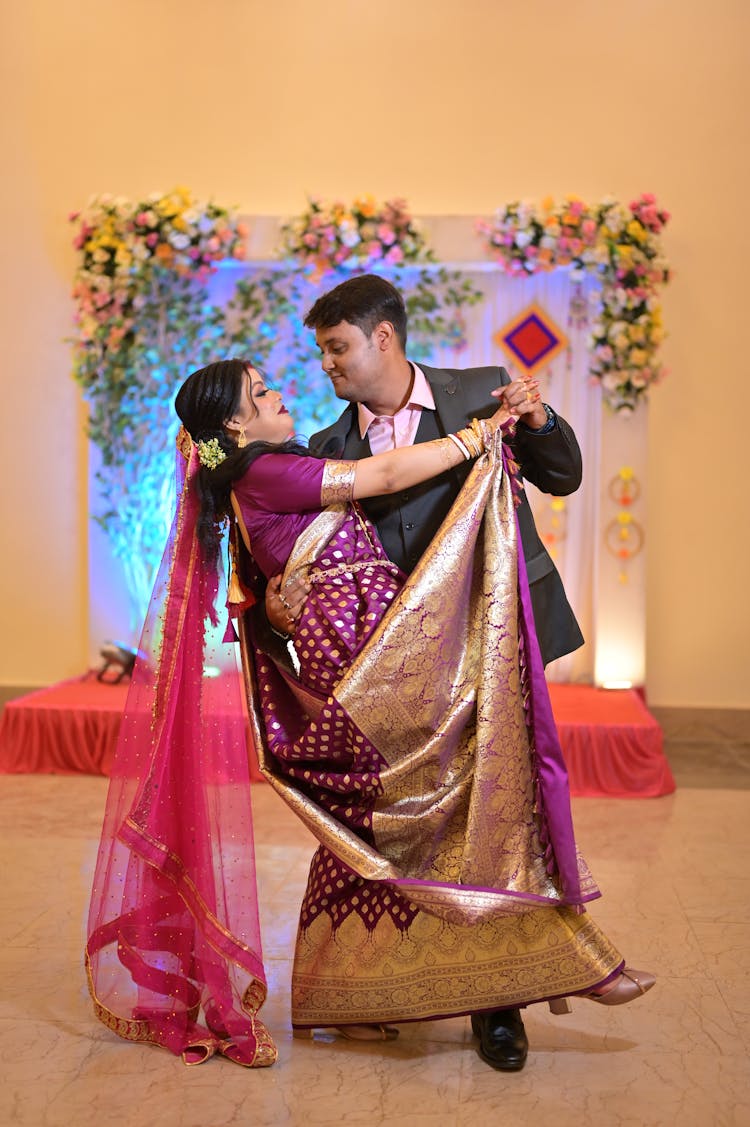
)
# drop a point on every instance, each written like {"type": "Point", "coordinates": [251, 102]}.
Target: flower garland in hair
{"type": "Point", "coordinates": [359, 236]}
{"type": "Point", "coordinates": [622, 247]}
{"type": "Point", "coordinates": [210, 453]}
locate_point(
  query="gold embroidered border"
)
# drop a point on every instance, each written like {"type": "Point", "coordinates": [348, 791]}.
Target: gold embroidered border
{"type": "Point", "coordinates": [337, 486]}
{"type": "Point", "coordinates": [436, 969]}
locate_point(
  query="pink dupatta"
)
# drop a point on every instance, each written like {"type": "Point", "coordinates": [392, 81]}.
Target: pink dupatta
{"type": "Point", "coordinates": [174, 952]}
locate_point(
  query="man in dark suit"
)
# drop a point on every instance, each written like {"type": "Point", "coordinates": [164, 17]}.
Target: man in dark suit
{"type": "Point", "coordinates": [360, 328]}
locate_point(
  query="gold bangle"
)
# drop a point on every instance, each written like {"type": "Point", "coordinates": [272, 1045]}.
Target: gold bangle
{"type": "Point", "coordinates": [473, 438]}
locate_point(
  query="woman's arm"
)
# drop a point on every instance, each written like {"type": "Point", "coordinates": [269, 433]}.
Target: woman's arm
{"type": "Point", "coordinates": [395, 470]}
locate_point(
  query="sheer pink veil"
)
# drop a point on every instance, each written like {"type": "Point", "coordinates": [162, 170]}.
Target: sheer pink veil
{"type": "Point", "coordinates": [174, 952]}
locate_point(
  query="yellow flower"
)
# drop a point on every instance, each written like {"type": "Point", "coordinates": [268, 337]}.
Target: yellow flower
{"type": "Point", "coordinates": [626, 473]}
{"type": "Point", "coordinates": [179, 223]}
{"type": "Point", "coordinates": [557, 504]}
{"type": "Point", "coordinates": [366, 206]}
{"type": "Point", "coordinates": [637, 231]}
{"type": "Point", "coordinates": [548, 203]}
{"type": "Point", "coordinates": [624, 518]}
{"type": "Point", "coordinates": [636, 333]}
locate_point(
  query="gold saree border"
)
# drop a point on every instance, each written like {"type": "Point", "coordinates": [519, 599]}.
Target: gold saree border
{"type": "Point", "coordinates": [436, 969]}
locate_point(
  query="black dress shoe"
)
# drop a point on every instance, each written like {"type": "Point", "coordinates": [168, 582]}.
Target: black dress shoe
{"type": "Point", "coordinates": [503, 1043]}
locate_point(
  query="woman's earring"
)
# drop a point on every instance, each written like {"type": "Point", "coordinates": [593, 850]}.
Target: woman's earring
{"type": "Point", "coordinates": [242, 438]}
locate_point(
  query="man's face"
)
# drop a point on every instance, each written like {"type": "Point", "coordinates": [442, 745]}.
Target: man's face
{"type": "Point", "coordinates": [353, 362]}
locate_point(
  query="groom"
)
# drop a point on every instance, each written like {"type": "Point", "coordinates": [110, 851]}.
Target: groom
{"type": "Point", "coordinates": [361, 332]}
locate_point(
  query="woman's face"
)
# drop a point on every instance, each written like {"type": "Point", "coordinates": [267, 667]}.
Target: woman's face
{"type": "Point", "coordinates": [261, 412]}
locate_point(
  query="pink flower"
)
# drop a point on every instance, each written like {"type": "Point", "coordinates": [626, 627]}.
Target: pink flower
{"type": "Point", "coordinates": [243, 230]}
{"type": "Point", "coordinates": [374, 249]}
{"type": "Point", "coordinates": [386, 234]}
{"type": "Point", "coordinates": [240, 251]}
{"type": "Point", "coordinates": [394, 256]}
{"type": "Point", "coordinates": [79, 241]}
{"type": "Point", "coordinates": [588, 230]}
{"type": "Point", "coordinates": [142, 219]}
{"type": "Point", "coordinates": [152, 239]}
{"type": "Point", "coordinates": [213, 244]}
{"type": "Point", "coordinates": [310, 240]}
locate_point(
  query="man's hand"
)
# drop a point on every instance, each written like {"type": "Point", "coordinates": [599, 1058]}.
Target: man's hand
{"type": "Point", "coordinates": [283, 608]}
{"type": "Point", "coordinates": [523, 400]}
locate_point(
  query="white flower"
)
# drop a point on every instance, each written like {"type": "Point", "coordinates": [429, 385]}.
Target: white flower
{"type": "Point", "coordinates": [348, 233]}
{"type": "Point", "coordinates": [179, 241]}
{"type": "Point", "coordinates": [611, 381]}
{"type": "Point", "coordinates": [523, 238]}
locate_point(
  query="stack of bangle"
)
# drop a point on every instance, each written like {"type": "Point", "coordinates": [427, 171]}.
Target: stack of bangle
{"type": "Point", "coordinates": [474, 439]}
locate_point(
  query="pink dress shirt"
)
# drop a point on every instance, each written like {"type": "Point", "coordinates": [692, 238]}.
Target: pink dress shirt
{"type": "Point", "coordinates": [386, 432]}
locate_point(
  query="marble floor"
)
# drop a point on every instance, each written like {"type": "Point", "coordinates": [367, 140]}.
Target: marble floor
{"type": "Point", "coordinates": [677, 901]}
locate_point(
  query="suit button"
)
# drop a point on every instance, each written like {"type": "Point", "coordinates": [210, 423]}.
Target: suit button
{"type": "Point", "coordinates": [409, 526]}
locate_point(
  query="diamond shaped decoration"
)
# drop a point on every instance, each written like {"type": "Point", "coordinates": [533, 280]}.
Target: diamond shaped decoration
{"type": "Point", "coordinates": [531, 339]}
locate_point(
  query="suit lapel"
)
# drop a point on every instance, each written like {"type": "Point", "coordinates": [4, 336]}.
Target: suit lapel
{"type": "Point", "coordinates": [449, 399]}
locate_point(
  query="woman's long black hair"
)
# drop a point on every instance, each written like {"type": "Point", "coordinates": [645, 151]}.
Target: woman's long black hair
{"type": "Point", "coordinates": [206, 400]}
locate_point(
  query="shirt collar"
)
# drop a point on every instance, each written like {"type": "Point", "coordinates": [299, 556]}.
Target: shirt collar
{"type": "Point", "coordinates": [420, 397]}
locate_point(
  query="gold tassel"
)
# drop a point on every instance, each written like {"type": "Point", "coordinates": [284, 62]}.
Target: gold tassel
{"type": "Point", "coordinates": [235, 593]}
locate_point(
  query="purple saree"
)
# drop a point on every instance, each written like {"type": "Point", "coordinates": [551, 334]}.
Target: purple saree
{"type": "Point", "coordinates": [419, 747]}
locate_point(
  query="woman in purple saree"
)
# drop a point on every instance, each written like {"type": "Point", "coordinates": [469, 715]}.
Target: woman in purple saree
{"type": "Point", "coordinates": [415, 737]}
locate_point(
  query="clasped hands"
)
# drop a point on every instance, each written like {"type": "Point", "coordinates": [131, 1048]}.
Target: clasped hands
{"type": "Point", "coordinates": [523, 400]}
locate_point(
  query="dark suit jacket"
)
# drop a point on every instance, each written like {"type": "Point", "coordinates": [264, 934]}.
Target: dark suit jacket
{"type": "Point", "coordinates": [407, 522]}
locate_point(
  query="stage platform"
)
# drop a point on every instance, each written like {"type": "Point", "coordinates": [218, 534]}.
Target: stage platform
{"type": "Point", "coordinates": [612, 744]}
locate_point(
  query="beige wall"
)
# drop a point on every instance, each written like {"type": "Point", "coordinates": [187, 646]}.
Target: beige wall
{"type": "Point", "coordinates": [458, 107]}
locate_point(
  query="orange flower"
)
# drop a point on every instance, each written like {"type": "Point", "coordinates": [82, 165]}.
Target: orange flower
{"type": "Point", "coordinates": [164, 252]}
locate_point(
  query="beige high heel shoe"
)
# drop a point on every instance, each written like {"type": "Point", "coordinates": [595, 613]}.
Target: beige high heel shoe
{"type": "Point", "coordinates": [631, 984]}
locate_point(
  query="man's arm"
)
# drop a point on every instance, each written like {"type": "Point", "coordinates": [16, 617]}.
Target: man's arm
{"type": "Point", "coordinates": [544, 444]}
{"type": "Point", "coordinates": [550, 460]}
